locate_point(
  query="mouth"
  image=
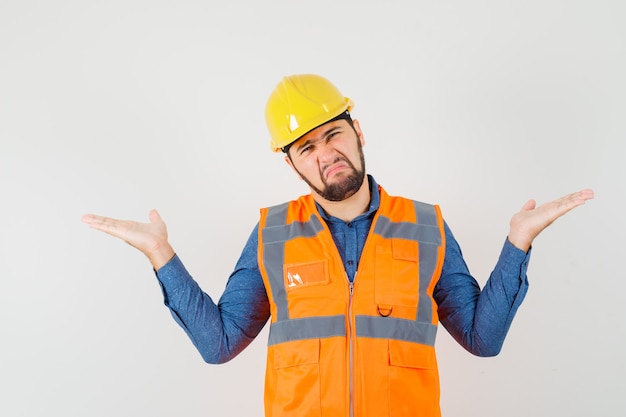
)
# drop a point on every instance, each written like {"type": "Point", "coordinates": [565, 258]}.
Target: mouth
{"type": "Point", "coordinates": [334, 169]}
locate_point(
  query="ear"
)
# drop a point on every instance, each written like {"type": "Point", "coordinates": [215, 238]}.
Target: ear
{"type": "Point", "coordinates": [288, 160]}
{"type": "Point", "coordinates": [359, 132]}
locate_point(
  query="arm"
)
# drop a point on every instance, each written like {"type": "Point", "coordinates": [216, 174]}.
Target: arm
{"type": "Point", "coordinates": [479, 320]}
{"type": "Point", "coordinates": [219, 331]}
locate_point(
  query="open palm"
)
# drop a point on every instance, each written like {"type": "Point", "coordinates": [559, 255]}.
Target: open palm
{"type": "Point", "coordinates": [150, 238]}
{"type": "Point", "coordinates": [532, 220]}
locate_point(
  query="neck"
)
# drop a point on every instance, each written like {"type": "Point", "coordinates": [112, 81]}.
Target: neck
{"type": "Point", "coordinates": [349, 208]}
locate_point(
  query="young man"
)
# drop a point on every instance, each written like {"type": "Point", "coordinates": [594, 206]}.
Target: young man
{"type": "Point", "coordinates": [344, 343]}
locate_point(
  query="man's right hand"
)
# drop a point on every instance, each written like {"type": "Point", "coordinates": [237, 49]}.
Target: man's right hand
{"type": "Point", "coordinates": [149, 238]}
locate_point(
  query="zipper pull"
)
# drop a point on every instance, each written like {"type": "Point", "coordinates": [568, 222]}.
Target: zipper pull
{"type": "Point", "coordinates": [351, 287]}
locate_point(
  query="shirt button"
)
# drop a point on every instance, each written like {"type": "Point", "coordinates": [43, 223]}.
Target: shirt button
{"type": "Point", "coordinates": [350, 262]}
{"type": "Point", "coordinates": [349, 225]}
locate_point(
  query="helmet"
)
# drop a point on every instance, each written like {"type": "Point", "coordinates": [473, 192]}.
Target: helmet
{"type": "Point", "coordinates": [299, 104]}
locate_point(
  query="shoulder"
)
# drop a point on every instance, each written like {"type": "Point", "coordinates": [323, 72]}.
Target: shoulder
{"type": "Point", "coordinates": [300, 201]}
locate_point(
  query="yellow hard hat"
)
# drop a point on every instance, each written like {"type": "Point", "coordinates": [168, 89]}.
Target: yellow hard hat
{"type": "Point", "coordinates": [299, 104]}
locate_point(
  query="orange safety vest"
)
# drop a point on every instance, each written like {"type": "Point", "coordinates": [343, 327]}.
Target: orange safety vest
{"type": "Point", "coordinates": [360, 349]}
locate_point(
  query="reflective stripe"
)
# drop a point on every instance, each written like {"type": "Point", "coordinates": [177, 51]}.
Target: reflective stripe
{"type": "Point", "coordinates": [397, 329]}
{"type": "Point", "coordinates": [275, 233]}
{"type": "Point", "coordinates": [277, 215]}
{"type": "Point", "coordinates": [405, 230]}
{"type": "Point", "coordinates": [427, 215]}
{"type": "Point", "coordinates": [285, 232]}
{"type": "Point", "coordinates": [273, 258]}
{"type": "Point", "coordinates": [307, 328]}
{"type": "Point", "coordinates": [427, 263]}
{"type": "Point", "coordinates": [366, 326]}
{"type": "Point", "coordinates": [426, 233]}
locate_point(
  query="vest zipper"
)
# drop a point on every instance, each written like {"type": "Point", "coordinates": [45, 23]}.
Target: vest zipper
{"type": "Point", "coordinates": [351, 346]}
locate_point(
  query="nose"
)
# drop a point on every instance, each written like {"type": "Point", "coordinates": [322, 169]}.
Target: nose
{"type": "Point", "coordinates": [326, 152]}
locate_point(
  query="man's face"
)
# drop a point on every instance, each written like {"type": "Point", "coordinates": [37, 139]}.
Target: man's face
{"type": "Point", "coordinates": [330, 159]}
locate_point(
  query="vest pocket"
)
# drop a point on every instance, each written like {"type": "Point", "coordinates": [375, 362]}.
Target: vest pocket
{"type": "Point", "coordinates": [305, 274]}
{"type": "Point", "coordinates": [413, 379]}
{"type": "Point", "coordinates": [411, 355]}
{"type": "Point", "coordinates": [296, 352]}
{"type": "Point", "coordinates": [396, 274]}
{"type": "Point", "coordinates": [296, 382]}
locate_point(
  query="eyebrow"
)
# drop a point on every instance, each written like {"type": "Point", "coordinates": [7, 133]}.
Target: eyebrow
{"type": "Point", "coordinates": [322, 137]}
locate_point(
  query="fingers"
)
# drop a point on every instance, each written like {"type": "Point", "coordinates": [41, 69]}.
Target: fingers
{"type": "Point", "coordinates": [102, 223]}
{"type": "Point", "coordinates": [87, 218]}
{"type": "Point", "coordinates": [583, 195]}
{"type": "Point", "coordinates": [563, 204]}
{"type": "Point", "coordinates": [105, 224]}
{"type": "Point", "coordinates": [554, 209]}
{"type": "Point", "coordinates": [579, 196]}
{"type": "Point", "coordinates": [573, 200]}
{"type": "Point", "coordinates": [92, 219]}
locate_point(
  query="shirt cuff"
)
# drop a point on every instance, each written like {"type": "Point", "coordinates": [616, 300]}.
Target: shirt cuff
{"type": "Point", "coordinates": [173, 274]}
{"type": "Point", "coordinates": [514, 259]}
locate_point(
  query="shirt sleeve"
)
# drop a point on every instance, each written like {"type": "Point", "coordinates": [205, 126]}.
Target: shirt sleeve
{"type": "Point", "coordinates": [219, 331]}
{"type": "Point", "coordinates": [479, 320]}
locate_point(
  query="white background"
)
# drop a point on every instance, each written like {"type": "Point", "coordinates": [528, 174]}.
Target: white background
{"type": "Point", "coordinates": [119, 107]}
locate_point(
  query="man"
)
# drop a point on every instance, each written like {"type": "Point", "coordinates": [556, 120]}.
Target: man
{"type": "Point", "coordinates": [342, 343]}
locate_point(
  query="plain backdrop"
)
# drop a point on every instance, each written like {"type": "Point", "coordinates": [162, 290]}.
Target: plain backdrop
{"type": "Point", "coordinates": [119, 107]}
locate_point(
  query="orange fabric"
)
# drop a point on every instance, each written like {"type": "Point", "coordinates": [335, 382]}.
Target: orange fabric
{"type": "Point", "coordinates": [376, 376]}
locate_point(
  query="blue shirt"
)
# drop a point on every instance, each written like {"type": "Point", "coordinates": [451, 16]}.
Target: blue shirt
{"type": "Point", "coordinates": [478, 320]}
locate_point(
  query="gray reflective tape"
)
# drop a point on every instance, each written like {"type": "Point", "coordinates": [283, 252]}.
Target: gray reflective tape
{"type": "Point", "coordinates": [285, 232]}
{"type": "Point", "coordinates": [428, 260]}
{"type": "Point", "coordinates": [425, 214]}
{"type": "Point", "coordinates": [396, 329]}
{"type": "Point", "coordinates": [277, 215]}
{"type": "Point", "coordinates": [273, 259]}
{"type": "Point", "coordinates": [405, 230]}
{"type": "Point", "coordinates": [307, 328]}
{"type": "Point", "coordinates": [366, 326]}
{"type": "Point", "coordinates": [428, 254]}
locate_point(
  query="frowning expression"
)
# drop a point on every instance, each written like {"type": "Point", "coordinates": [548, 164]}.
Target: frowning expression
{"type": "Point", "coordinates": [330, 159]}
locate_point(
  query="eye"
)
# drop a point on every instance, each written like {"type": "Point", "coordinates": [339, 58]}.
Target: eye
{"type": "Point", "coordinates": [305, 149]}
{"type": "Point", "coordinates": [330, 136]}
{"type": "Point", "coordinates": [333, 134]}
